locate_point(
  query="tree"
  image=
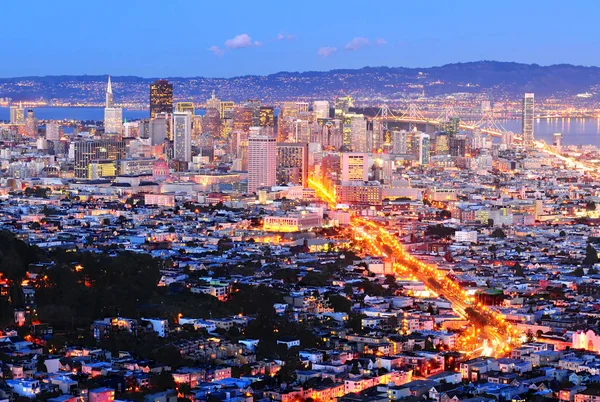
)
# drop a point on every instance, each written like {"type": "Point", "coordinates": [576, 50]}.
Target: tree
{"type": "Point", "coordinates": [355, 370]}
{"type": "Point", "coordinates": [590, 206]}
{"type": "Point", "coordinates": [498, 233]}
{"type": "Point", "coordinates": [339, 303]}
{"type": "Point", "coordinates": [591, 256]}
{"type": "Point", "coordinates": [562, 233]}
{"type": "Point", "coordinates": [518, 269]}
{"type": "Point", "coordinates": [162, 381]}
{"type": "Point", "coordinates": [578, 272]}
{"type": "Point", "coordinates": [529, 336]}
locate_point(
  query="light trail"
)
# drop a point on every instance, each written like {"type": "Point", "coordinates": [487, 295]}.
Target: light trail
{"type": "Point", "coordinates": [501, 336]}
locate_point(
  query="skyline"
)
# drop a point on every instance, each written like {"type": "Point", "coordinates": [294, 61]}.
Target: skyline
{"type": "Point", "coordinates": [250, 40]}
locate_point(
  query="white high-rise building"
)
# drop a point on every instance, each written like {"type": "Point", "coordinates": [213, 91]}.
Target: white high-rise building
{"type": "Point", "coordinates": [17, 115]}
{"type": "Point", "coordinates": [262, 161]}
{"type": "Point", "coordinates": [399, 142]}
{"type": "Point", "coordinates": [113, 116]}
{"type": "Point", "coordinates": [321, 109]}
{"type": "Point", "coordinates": [423, 148]}
{"type": "Point", "coordinates": [355, 166]}
{"type": "Point", "coordinates": [358, 129]}
{"type": "Point", "coordinates": [182, 136]}
{"type": "Point", "coordinates": [52, 131]}
{"type": "Point", "coordinates": [528, 112]}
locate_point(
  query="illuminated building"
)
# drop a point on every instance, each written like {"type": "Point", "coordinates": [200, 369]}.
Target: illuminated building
{"type": "Point", "coordinates": [441, 143]}
{"type": "Point", "coordinates": [101, 169]}
{"type": "Point", "coordinates": [160, 200]}
{"type": "Point", "coordinates": [254, 106]}
{"type": "Point", "coordinates": [355, 166]}
{"type": "Point", "coordinates": [294, 222]}
{"type": "Point", "coordinates": [557, 141]}
{"type": "Point", "coordinates": [17, 115]}
{"type": "Point", "coordinates": [185, 107]}
{"type": "Point", "coordinates": [457, 145]}
{"type": "Point", "coordinates": [365, 193]}
{"type": "Point", "coordinates": [213, 102]}
{"type": "Point", "coordinates": [399, 142]}
{"type": "Point", "coordinates": [52, 131]}
{"type": "Point", "coordinates": [262, 162]}
{"type": "Point", "coordinates": [87, 151]}
{"type": "Point", "coordinates": [182, 136]}
{"type": "Point", "coordinates": [528, 110]}
{"type": "Point", "coordinates": [343, 105]}
{"type": "Point", "coordinates": [422, 148]}
{"type": "Point", "coordinates": [355, 132]}
{"type": "Point", "coordinates": [267, 116]}
{"type": "Point", "coordinates": [288, 115]}
{"type": "Point", "coordinates": [135, 166]}
{"type": "Point", "coordinates": [31, 124]}
{"type": "Point", "coordinates": [292, 163]}
{"type": "Point", "coordinates": [157, 129]}
{"type": "Point", "coordinates": [321, 109]}
{"type": "Point", "coordinates": [302, 129]}
{"type": "Point", "coordinates": [211, 123]}
{"type": "Point", "coordinates": [161, 98]}
{"type": "Point", "coordinates": [242, 119]}
{"type": "Point", "coordinates": [226, 108]}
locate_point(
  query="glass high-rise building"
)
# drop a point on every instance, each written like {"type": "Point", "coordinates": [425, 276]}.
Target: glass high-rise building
{"type": "Point", "coordinates": [86, 151]}
{"type": "Point", "coordinates": [267, 116]}
{"type": "Point", "coordinates": [182, 136]}
{"type": "Point", "coordinates": [161, 97]}
{"type": "Point", "coordinates": [528, 110]}
{"type": "Point", "coordinates": [292, 163]}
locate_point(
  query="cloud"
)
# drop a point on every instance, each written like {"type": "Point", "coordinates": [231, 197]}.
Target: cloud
{"type": "Point", "coordinates": [217, 50]}
{"type": "Point", "coordinates": [282, 36]}
{"type": "Point", "coordinates": [326, 51]}
{"type": "Point", "coordinates": [241, 41]}
{"type": "Point", "coordinates": [356, 44]}
{"type": "Point", "coordinates": [380, 41]}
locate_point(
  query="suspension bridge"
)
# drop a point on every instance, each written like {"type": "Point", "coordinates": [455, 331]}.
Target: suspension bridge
{"type": "Point", "coordinates": [487, 124]}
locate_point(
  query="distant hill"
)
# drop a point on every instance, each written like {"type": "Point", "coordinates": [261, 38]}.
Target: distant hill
{"type": "Point", "coordinates": [499, 79]}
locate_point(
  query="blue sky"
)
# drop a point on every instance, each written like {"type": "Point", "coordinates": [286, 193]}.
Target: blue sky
{"type": "Point", "coordinates": [164, 38]}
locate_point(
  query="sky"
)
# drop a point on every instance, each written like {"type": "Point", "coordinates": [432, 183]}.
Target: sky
{"type": "Point", "coordinates": [171, 38]}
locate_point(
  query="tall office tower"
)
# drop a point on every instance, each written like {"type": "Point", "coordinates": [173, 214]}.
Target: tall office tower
{"type": "Point", "coordinates": [267, 116]}
{"type": "Point", "coordinates": [557, 141]}
{"type": "Point", "coordinates": [182, 136]}
{"type": "Point", "coordinates": [52, 131]}
{"type": "Point", "coordinates": [243, 119]}
{"type": "Point", "coordinates": [321, 109]}
{"type": "Point", "coordinates": [17, 115]}
{"type": "Point", "coordinates": [113, 116]}
{"type": "Point", "coordinates": [452, 126]}
{"type": "Point", "coordinates": [31, 124]}
{"type": "Point", "coordinates": [212, 122]}
{"type": "Point", "coordinates": [185, 107]}
{"type": "Point", "coordinates": [423, 148]}
{"type": "Point", "coordinates": [441, 143]}
{"type": "Point", "coordinates": [131, 129]}
{"type": "Point", "coordinates": [457, 145]}
{"type": "Point", "coordinates": [476, 139]}
{"type": "Point", "coordinates": [109, 102]}
{"type": "Point", "coordinates": [157, 129]}
{"type": "Point", "coordinates": [399, 142]}
{"type": "Point", "coordinates": [355, 132]}
{"type": "Point", "coordinates": [254, 106]}
{"type": "Point", "coordinates": [355, 166]}
{"type": "Point", "coordinates": [301, 129]}
{"type": "Point", "coordinates": [144, 128]}
{"type": "Point", "coordinates": [161, 97]}
{"type": "Point", "coordinates": [288, 113]}
{"type": "Point", "coordinates": [528, 110]}
{"type": "Point", "coordinates": [292, 163]}
{"type": "Point", "coordinates": [87, 151]}
{"type": "Point", "coordinates": [343, 105]}
{"type": "Point", "coordinates": [226, 109]}
{"type": "Point", "coordinates": [262, 162]}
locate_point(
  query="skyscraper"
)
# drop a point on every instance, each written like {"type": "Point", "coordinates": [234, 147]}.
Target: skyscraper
{"type": "Point", "coordinates": [182, 136]}
{"type": "Point", "coordinates": [161, 97]}
{"type": "Point", "coordinates": [113, 116]}
{"type": "Point", "coordinates": [528, 110]}
{"type": "Point", "coordinates": [52, 131]}
{"type": "Point", "coordinates": [109, 95]}
{"type": "Point", "coordinates": [17, 115]}
{"type": "Point", "coordinates": [267, 116]}
{"type": "Point", "coordinates": [355, 166]}
{"type": "Point", "coordinates": [423, 148]}
{"type": "Point", "coordinates": [292, 163]}
{"type": "Point", "coordinates": [185, 107]}
{"type": "Point", "coordinates": [31, 124]}
{"type": "Point", "coordinates": [262, 162]}
{"type": "Point", "coordinates": [88, 151]}
{"type": "Point", "coordinates": [321, 109]}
